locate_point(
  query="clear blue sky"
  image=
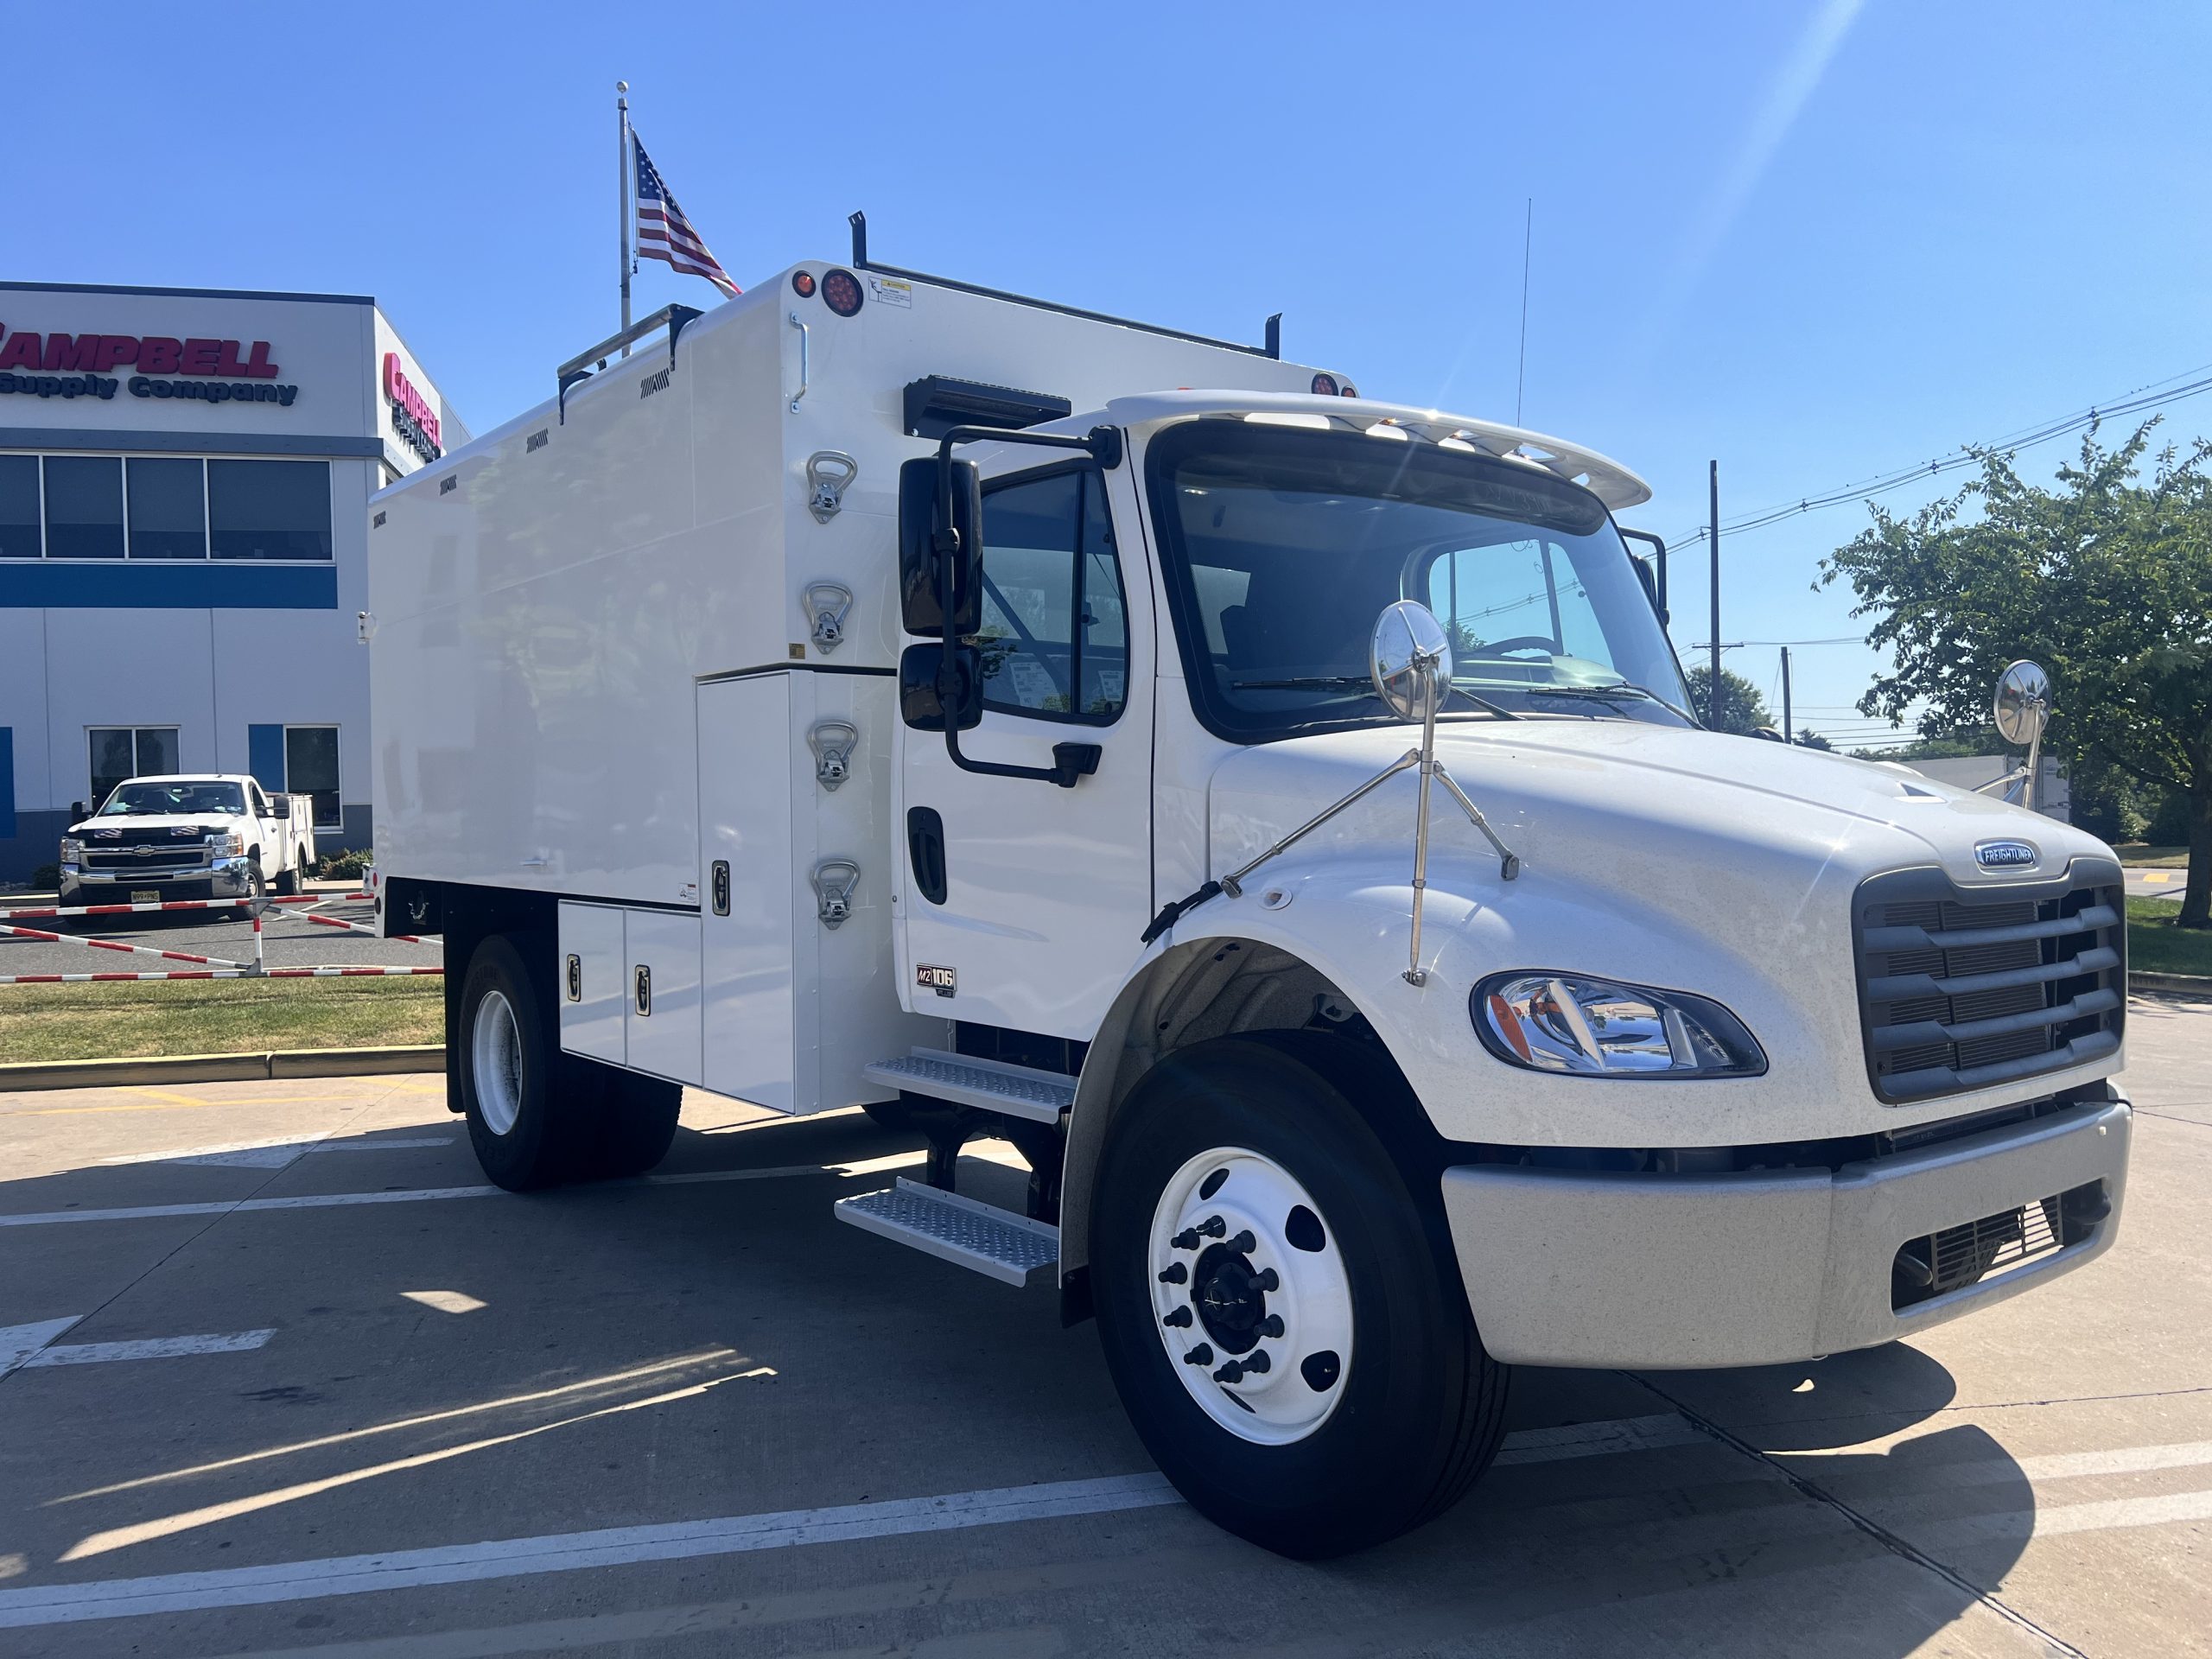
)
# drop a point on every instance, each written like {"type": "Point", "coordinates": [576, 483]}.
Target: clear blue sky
{"type": "Point", "coordinates": [1817, 241]}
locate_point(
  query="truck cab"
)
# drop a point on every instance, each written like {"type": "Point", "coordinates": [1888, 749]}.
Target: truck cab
{"type": "Point", "coordinates": [1275, 812]}
{"type": "Point", "coordinates": [187, 835]}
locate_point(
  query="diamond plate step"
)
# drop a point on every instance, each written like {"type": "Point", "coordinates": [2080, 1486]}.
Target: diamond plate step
{"type": "Point", "coordinates": [990, 1086]}
{"type": "Point", "coordinates": [995, 1243]}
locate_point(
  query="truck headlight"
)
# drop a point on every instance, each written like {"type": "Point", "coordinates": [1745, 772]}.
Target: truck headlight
{"type": "Point", "coordinates": [232, 844]}
{"type": "Point", "coordinates": [1599, 1028]}
{"type": "Point", "coordinates": [72, 851]}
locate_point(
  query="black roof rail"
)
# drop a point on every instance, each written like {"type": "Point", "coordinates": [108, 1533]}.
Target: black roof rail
{"type": "Point", "coordinates": [860, 260]}
{"type": "Point", "coordinates": [671, 317]}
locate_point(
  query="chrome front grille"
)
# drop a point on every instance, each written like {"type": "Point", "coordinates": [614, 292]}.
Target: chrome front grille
{"type": "Point", "coordinates": [1965, 987]}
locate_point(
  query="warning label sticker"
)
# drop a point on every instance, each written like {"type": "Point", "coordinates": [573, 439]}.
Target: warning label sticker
{"type": "Point", "coordinates": [888, 291]}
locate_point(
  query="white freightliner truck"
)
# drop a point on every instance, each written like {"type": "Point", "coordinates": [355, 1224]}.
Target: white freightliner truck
{"type": "Point", "coordinates": [1379, 1004]}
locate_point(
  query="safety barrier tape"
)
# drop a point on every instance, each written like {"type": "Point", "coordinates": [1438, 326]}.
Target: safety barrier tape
{"type": "Point", "coordinates": [224, 973]}
{"type": "Point", "coordinates": [105, 944]}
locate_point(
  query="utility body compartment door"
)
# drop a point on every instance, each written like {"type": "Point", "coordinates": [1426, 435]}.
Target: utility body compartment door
{"type": "Point", "coordinates": [1021, 902]}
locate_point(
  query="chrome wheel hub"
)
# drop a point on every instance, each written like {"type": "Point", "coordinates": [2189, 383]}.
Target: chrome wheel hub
{"type": "Point", "coordinates": [495, 1064]}
{"type": "Point", "coordinates": [1251, 1296]}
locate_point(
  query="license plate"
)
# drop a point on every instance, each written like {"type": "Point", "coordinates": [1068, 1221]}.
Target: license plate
{"type": "Point", "coordinates": [145, 895]}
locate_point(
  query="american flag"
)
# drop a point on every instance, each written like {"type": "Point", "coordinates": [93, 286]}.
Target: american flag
{"type": "Point", "coordinates": [664, 232]}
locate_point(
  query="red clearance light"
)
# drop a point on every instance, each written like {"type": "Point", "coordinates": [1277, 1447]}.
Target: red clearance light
{"type": "Point", "coordinates": [803, 284]}
{"type": "Point", "coordinates": [1350, 390]}
{"type": "Point", "coordinates": [841, 292]}
{"type": "Point", "coordinates": [1324, 386]}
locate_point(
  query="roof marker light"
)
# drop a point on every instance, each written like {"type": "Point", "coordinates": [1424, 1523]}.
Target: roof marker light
{"type": "Point", "coordinates": [1282, 417]}
{"type": "Point", "coordinates": [1387, 429]}
{"type": "Point", "coordinates": [803, 284]}
{"type": "Point", "coordinates": [1348, 390]}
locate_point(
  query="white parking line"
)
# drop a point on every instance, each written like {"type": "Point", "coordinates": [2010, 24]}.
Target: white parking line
{"type": "Point", "coordinates": [100, 1353]}
{"type": "Point", "coordinates": [347, 1575]}
{"type": "Point", "coordinates": [418, 1195]}
{"type": "Point", "coordinates": [19, 1342]}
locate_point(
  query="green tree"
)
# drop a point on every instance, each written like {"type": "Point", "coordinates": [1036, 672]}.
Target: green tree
{"type": "Point", "coordinates": [2105, 579]}
{"type": "Point", "coordinates": [1809, 739]}
{"type": "Point", "coordinates": [1743, 710]}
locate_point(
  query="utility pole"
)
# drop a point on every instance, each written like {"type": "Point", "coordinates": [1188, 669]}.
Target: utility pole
{"type": "Point", "coordinates": [1788, 732]}
{"type": "Point", "coordinates": [622, 194]}
{"type": "Point", "coordinates": [1713, 508]}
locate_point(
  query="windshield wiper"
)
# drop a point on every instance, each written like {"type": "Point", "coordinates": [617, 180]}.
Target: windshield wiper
{"type": "Point", "coordinates": [1358, 682]}
{"type": "Point", "coordinates": [1609, 694]}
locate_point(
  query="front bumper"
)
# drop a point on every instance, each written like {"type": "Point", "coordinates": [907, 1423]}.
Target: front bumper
{"type": "Point", "coordinates": [222, 878]}
{"type": "Point", "coordinates": [1650, 1271]}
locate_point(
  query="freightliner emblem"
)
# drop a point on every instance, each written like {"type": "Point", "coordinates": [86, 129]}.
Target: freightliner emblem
{"type": "Point", "coordinates": [2003, 854]}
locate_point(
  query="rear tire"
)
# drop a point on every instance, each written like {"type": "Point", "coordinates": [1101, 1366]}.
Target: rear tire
{"type": "Point", "coordinates": [635, 1121]}
{"type": "Point", "coordinates": [521, 1121]}
{"type": "Point", "coordinates": [288, 882]}
{"type": "Point", "coordinates": [1326, 1451]}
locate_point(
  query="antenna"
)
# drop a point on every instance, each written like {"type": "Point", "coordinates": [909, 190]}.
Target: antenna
{"type": "Point", "coordinates": [1527, 238]}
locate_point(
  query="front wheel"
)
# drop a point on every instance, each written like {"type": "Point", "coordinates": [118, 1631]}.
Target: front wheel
{"type": "Point", "coordinates": [1294, 1350]}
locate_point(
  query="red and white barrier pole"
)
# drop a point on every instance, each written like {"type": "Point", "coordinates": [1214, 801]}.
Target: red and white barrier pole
{"type": "Point", "coordinates": [107, 945]}
{"type": "Point", "coordinates": [102, 978]}
{"type": "Point", "coordinates": [44, 911]}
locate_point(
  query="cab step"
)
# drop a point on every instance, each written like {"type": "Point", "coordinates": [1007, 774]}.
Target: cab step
{"type": "Point", "coordinates": [995, 1243]}
{"type": "Point", "coordinates": [989, 1086]}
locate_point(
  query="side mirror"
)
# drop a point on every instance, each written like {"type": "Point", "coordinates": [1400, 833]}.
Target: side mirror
{"type": "Point", "coordinates": [1409, 656]}
{"type": "Point", "coordinates": [919, 704]}
{"type": "Point", "coordinates": [921, 573]}
{"type": "Point", "coordinates": [280, 807]}
{"type": "Point", "coordinates": [2022, 707]}
{"type": "Point", "coordinates": [77, 813]}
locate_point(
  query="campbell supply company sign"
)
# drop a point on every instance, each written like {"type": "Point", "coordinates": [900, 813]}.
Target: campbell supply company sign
{"type": "Point", "coordinates": [412, 417]}
{"type": "Point", "coordinates": [169, 368]}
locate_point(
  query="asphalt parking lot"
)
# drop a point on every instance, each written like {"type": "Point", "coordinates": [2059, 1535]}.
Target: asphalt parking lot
{"type": "Point", "coordinates": [289, 940]}
{"type": "Point", "coordinates": [288, 1379]}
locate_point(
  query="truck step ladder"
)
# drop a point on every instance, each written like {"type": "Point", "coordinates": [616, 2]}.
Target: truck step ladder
{"type": "Point", "coordinates": [1011, 1249]}
{"type": "Point", "coordinates": [989, 1085]}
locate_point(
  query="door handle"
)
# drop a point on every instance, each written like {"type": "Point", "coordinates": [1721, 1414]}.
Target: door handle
{"type": "Point", "coordinates": [926, 851]}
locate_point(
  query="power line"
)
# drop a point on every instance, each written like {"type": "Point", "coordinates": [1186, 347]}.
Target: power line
{"type": "Point", "coordinates": [2143, 397]}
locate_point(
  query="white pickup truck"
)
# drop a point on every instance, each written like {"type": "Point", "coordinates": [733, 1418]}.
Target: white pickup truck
{"type": "Point", "coordinates": [191, 835]}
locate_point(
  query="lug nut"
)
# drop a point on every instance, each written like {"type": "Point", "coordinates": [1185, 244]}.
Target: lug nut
{"type": "Point", "coordinates": [1271, 1326]}
{"type": "Point", "coordinates": [1174, 1273]}
{"type": "Point", "coordinates": [1213, 1227]}
{"type": "Point", "coordinates": [1244, 1243]}
{"type": "Point", "coordinates": [1257, 1362]}
{"type": "Point", "coordinates": [1231, 1372]}
{"type": "Point", "coordinates": [1266, 1279]}
{"type": "Point", "coordinates": [1201, 1355]}
{"type": "Point", "coordinates": [1185, 1240]}
{"type": "Point", "coordinates": [1178, 1316]}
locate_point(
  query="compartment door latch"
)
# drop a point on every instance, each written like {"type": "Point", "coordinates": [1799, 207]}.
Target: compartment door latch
{"type": "Point", "coordinates": [827, 603]}
{"type": "Point", "coordinates": [832, 741]}
{"type": "Point", "coordinates": [830, 474]}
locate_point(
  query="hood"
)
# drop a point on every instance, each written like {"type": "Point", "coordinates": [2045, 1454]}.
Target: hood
{"type": "Point", "coordinates": [1616, 801]}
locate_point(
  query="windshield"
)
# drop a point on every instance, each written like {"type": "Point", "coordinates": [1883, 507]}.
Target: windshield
{"type": "Point", "coordinates": [1283, 545]}
{"type": "Point", "coordinates": [147, 800]}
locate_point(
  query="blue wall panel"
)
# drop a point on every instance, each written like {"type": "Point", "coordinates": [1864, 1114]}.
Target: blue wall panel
{"type": "Point", "coordinates": [62, 584]}
{"type": "Point", "coordinates": [264, 752]}
{"type": "Point", "coordinates": [7, 780]}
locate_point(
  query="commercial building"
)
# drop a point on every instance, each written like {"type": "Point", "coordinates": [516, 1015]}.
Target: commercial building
{"type": "Point", "coordinates": [184, 480]}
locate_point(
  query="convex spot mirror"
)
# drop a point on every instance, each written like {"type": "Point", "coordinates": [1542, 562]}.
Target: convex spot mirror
{"type": "Point", "coordinates": [921, 573]}
{"type": "Point", "coordinates": [921, 704]}
{"type": "Point", "coordinates": [1410, 658]}
{"type": "Point", "coordinates": [2022, 706]}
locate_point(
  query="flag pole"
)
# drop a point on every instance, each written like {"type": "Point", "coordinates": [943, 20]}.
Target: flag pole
{"type": "Point", "coordinates": [622, 170]}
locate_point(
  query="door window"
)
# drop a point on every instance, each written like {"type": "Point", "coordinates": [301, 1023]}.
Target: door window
{"type": "Point", "coordinates": [311, 769]}
{"type": "Point", "coordinates": [121, 751]}
{"type": "Point", "coordinates": [1055, 631]}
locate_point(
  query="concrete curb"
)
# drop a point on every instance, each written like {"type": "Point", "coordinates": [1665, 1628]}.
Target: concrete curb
{"type": "Point", "coordinates": [2172, 984]}
{"type": "Point", "coordinates": [222, 1068]}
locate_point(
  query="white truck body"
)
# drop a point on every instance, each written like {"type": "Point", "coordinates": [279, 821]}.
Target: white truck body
{"type": "Point", "coordinates": [187, 835]}
{"type": "Point", "coordinates": [602, 693]}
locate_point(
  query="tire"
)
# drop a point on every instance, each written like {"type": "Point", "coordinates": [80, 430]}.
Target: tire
{"type": "Point", "coordinates": [897, 1116]}
{"type": "Point", "coordinates": [523, 1125]}
{"type": "Point", "coordinates": [1342, 1449]}
{"type": "Point", "coordinates": [258, 890]}
{"type": "Point", "coordinates": [288, 882]}
{"type": "Point", "coordinates": [635, 1119]}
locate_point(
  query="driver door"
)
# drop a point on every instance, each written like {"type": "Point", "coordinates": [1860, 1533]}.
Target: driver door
{"type": "Point", "coordinates": [1020, 902]}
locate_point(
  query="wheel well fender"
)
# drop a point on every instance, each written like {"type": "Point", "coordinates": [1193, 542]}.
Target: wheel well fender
{"type": "Point", "coordinates": [1224, 985]}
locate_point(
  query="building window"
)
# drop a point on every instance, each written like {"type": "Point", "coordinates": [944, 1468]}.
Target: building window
{"type": "Point", "coordinates": [269, 509]}
{"type": "Point", "coordinates": [124, 752]}
{"type": "Point", "coordinates": [169, 508]}
{"type": "Point", "coordinates": [19, 513]}
{"type": "Point", "coordinates": [84, 507]}
{"type": "Point", "coordinates": [311, 769]}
